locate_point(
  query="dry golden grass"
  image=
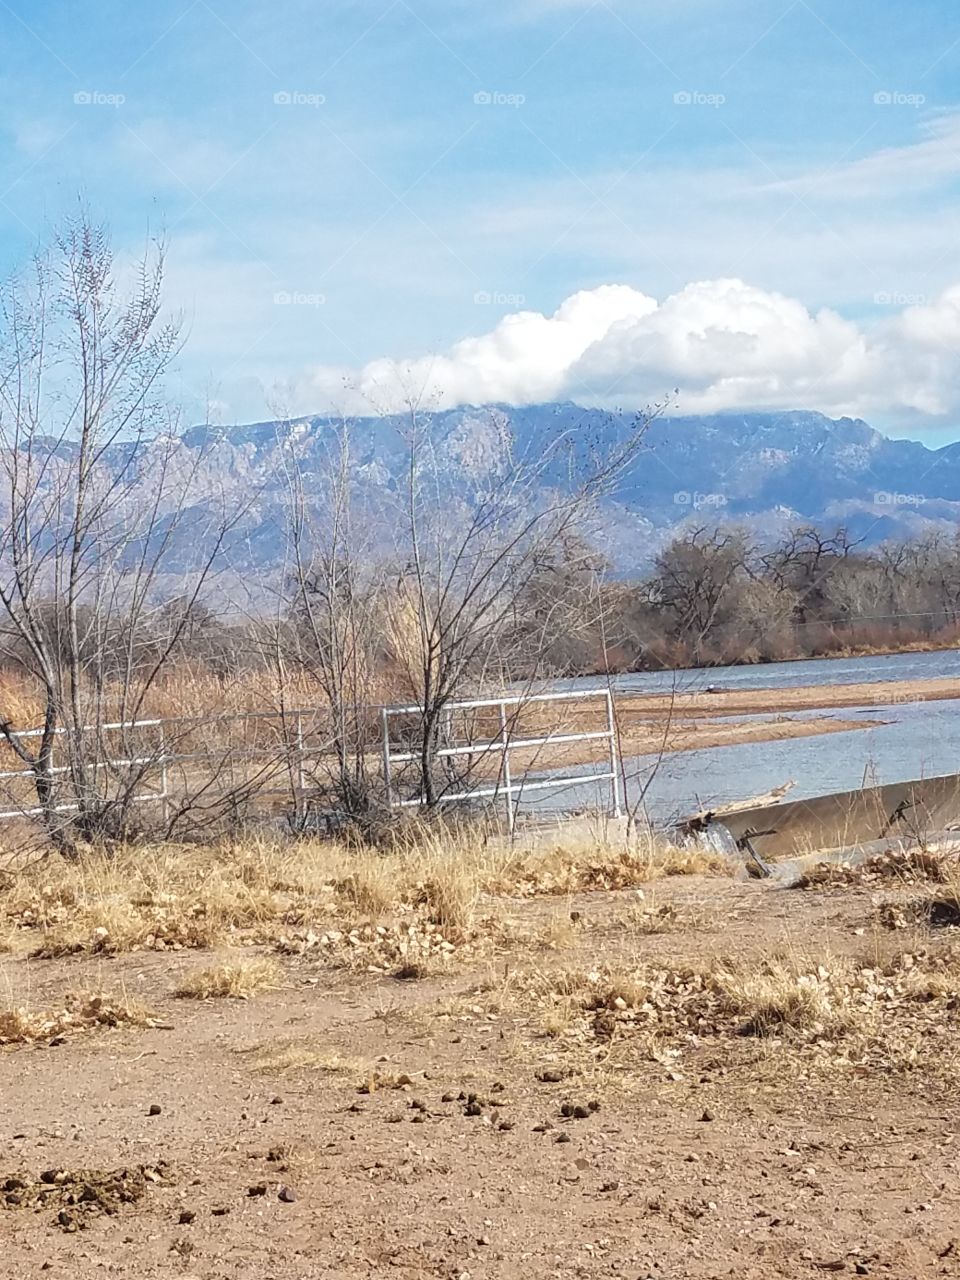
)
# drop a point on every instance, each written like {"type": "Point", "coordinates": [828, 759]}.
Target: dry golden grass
{"type": "Point", "coordinates": [22, 1024]}
{"type": "Point", "coordinates": [572, 865]}
{"type": "Point", "coordinates": [778, 998]}
{"type": "Point", "coordinates": [827, 1014]}
{"type": "Point", "coordinates": [432, 895]}
{"type": "Point", "coordinates": [239, 979]}
{"type": "Point", "coordinates": [298, 1055]}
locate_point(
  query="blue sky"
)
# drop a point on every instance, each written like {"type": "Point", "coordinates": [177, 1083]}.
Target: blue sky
{"type": "Point", "coordinates": [351, 190]}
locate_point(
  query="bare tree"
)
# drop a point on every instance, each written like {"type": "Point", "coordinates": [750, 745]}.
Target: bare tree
{"type": "Point", "coordinates": [97, 495]}
{"type": "Point", "coordinates": [333, 626]}
{"type": "Point", "coordinates": [482, 519]}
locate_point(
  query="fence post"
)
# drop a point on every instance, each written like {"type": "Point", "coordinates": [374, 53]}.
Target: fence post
{"type": "Point", "coordinates": [507, 779]}
{"type": "Point", "coordinates": [300, 801]}
{"type": "Point", "coordinates": [164, 790]}
{"type": "Point", "coordinates": [614, 761]}
{"type": "Point", "coordinates": [387, 782]}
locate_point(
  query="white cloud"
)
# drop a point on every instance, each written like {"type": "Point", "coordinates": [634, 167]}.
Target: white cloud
{"type": "Point", "coordinates": [723, 344]}
{"type": "Point", "coordinates": [891, 170]}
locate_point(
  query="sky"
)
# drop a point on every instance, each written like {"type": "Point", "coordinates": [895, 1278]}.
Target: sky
{"type": "Point", "coordinates": [751, 202]}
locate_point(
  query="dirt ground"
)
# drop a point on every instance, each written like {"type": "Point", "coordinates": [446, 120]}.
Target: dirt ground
{"type": "Point", "coordinates": [271, 1154]}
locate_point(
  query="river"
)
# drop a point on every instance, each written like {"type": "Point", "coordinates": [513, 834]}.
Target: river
{"type": "Point", "coordinates": [904, 741]}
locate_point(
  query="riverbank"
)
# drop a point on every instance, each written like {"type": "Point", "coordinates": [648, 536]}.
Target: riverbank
{"type": "Point", "coordinates": [668, 723]}
{"type": "Point", "coordinates": [824, 697]}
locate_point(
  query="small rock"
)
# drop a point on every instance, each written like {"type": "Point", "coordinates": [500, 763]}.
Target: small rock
{"type": "Point", "coordinates": [581, 1113]}
{"type": "Point", "coordinates": [276, 1101]}
{"type": "Point", "coordinates": [505, 1125]}
{"type": "Point", "coordinates": [707, 1116]}
{"type": "Point", "coordinates": [258, 1189]}
{"type": "Point", "coordinates": [449, 1097]}
{"type": "Point", "coordinates": [287, 1195]}
{"type": "Point", "coordinates": [473, 1109]}
{"type": "Point", "coordinates": [155, 1109]}
{"type": "Point", "coordinates": [221, 1211]}
{"type": "Point", "coordinates": [562, 1137]}
{"type": "Point", "coordinates": [552, 1075]}
{"type": "Point", "coordinates": [186, 1217]}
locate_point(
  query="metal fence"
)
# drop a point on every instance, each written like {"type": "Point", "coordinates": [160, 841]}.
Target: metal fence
{"type": "Point", "coordinates": [165, 761]}
{"type": "Point", "coordinates": [507, 786]}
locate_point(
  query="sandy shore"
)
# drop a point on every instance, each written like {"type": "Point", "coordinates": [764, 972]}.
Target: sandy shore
{"type": "Point", "coordinates": [891, 693]}
{"type": "Point", "coordinates": [651, 738]}
{"type": "Point", "coordinates": [651, 723]}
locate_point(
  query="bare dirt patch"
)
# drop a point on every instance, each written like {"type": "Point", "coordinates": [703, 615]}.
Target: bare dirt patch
{"type": "Point", "coordinates": [686, 1076]}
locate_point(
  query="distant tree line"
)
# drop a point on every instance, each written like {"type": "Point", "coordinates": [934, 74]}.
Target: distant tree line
{"type": "Point", "coordinates": [717, 595]}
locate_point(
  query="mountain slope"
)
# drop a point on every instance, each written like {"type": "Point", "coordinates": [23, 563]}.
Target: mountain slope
{"type": "Point", "coordinates": [768, 470]}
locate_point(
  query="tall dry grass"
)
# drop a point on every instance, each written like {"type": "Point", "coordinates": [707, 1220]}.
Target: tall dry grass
{"type": "Point", "coordinates": [440, 882]}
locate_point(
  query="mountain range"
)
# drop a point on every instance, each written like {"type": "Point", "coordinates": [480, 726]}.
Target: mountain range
{"type": "Point", "coordinates": [767, 470]}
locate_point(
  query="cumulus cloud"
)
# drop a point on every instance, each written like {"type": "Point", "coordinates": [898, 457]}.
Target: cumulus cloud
{"type": "Point", "coordinates": [722, 344]}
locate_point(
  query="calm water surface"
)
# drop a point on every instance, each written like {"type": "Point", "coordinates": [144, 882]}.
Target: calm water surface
{"type": "Point", "coordinates": [903, 741]}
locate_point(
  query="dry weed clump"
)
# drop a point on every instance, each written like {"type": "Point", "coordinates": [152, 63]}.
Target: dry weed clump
{"type": "Point", "coordinates": [405, 909]}
{"type": "Point", "coordinates": [578, 868]}
{"type": "Point", "coordinates": [160, 899]}
{"type": "Point", "coordinates": [410, 949]}
{"type": "Point", "coordinates": [234, 979]}
{"type": "Point", "coordinates": [909, 866]}
{"type": "Point", "coordinates": [838, 1012]}
{"type": "Point", "coordinates": [80, 1012]}
{"type": "Point", "coordinates": [939, 910]}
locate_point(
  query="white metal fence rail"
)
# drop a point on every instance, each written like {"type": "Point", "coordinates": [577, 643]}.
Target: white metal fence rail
{"type": "Point", "coordinates": [159, 759]}
{"type": "Point", "coordinates": [503, 743]}
{"type": "Point", "coordinates": [297, 745]}
{"type": "Point", "coordinates": [290, 754]}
